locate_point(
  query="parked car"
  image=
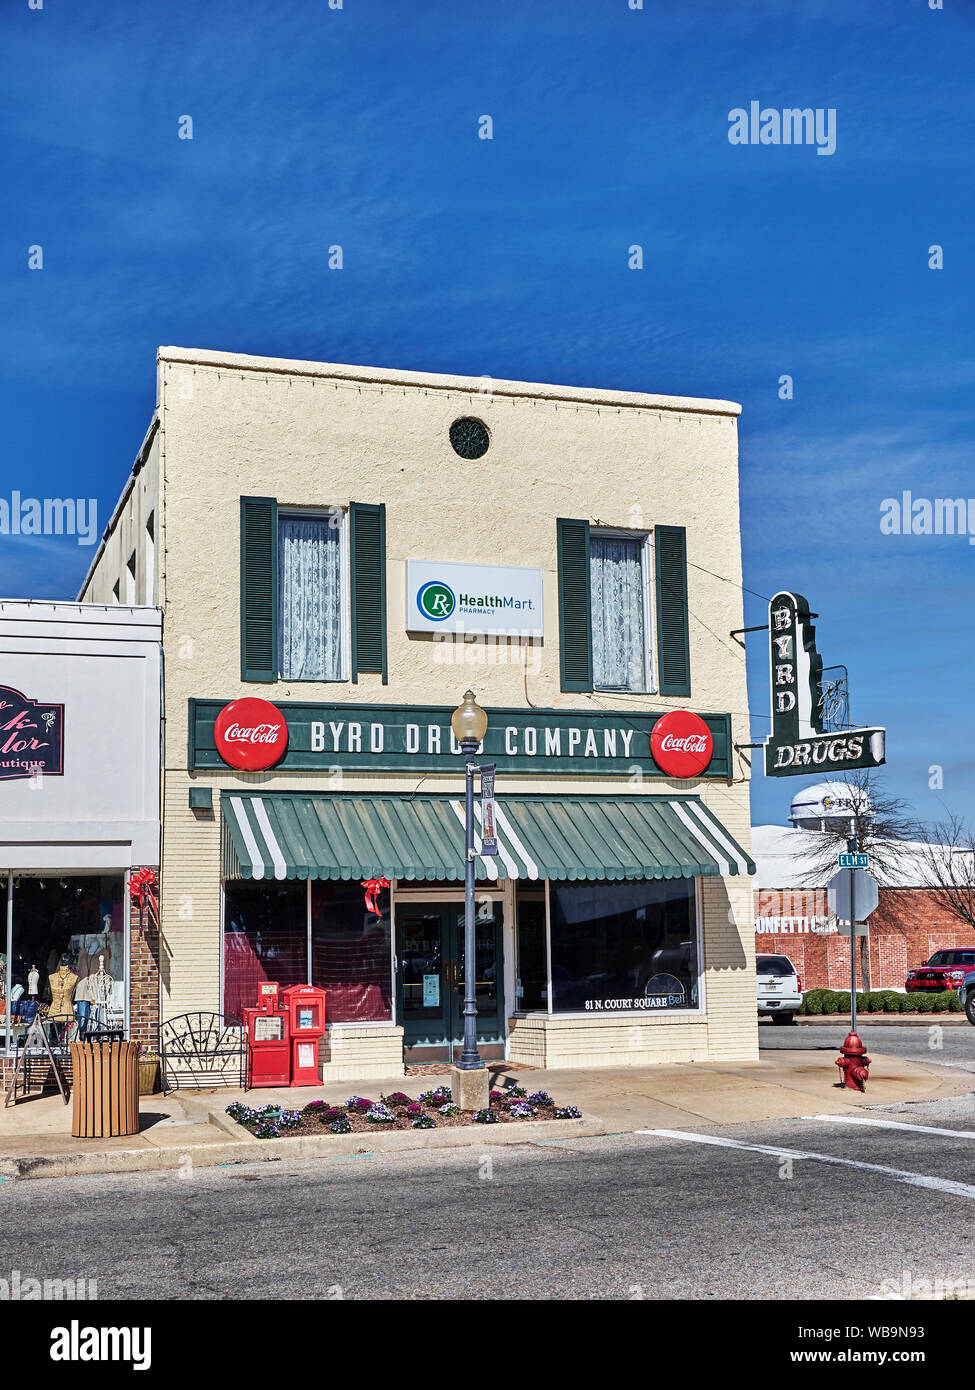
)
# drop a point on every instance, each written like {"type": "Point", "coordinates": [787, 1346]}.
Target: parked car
{"type": "Point", "coordinates": [966, 995]}
{"type": "Point", "coordinates": [779, 987]}
{"type": "Point", "coordinates": [945, 970]}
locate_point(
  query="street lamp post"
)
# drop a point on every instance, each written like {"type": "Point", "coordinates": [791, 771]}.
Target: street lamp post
{"type": "Point", "coordinates": [469, 723]}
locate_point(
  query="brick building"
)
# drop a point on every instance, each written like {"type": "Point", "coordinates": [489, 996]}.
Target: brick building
{"type": "Point", "coordinates": [907, 927]}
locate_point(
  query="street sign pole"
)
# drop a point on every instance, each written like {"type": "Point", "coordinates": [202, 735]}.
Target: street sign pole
{"type": "Point", "coordinates": [853, 952]}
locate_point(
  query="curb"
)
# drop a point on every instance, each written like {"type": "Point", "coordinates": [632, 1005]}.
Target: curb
{"type": "Point", "coordinates": [884, 1020]}
{"type": "Point", "coordinates": [215, 1155]}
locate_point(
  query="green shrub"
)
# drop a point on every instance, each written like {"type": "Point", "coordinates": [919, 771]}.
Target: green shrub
{"type": "Point", "coordinates": [954, 1003]}
{"type": "Point", "coordinates": [925, 1003]}
{"type": "Point", "coordinates": [812, 1002]}
{"type": "Point", "coordinates": [942, 1001]}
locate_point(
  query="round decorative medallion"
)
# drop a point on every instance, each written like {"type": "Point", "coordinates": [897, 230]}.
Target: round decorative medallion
{"type": "Point", "coordinates": [250, 734]}
{"type": "Point", "coordinates": [681, 743]}
{"type": "Point", "coordinates": [469, 438]}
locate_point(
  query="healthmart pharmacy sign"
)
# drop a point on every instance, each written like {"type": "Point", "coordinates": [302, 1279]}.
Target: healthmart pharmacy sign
{"type": "Point", "coordinates": [473, 598]}
{"type": "Point", "coordinates": [418, 738]}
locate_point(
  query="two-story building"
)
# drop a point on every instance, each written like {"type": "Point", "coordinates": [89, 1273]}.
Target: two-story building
{"type": "Point", "coordinates": [339, 553]}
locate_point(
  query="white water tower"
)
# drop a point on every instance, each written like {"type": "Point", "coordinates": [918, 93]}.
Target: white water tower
{"type": "Point", "coordinates": [828, 806]}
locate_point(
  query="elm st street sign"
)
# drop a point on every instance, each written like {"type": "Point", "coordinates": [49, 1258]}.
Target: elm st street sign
{"type": "Point", "coordinates": [799, 745]}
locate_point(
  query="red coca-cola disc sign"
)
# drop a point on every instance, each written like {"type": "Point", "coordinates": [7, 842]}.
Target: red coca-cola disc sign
{"type": "Point", "coordinates": [681, 743]}
{"type": "Point", "coordinates": [250, 734]}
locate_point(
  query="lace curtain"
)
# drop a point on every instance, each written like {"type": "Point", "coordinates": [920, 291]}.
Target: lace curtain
{"type": "Point", "coordinates": [618, 637]}
{"type": "Point", "coordinates": [310, 598]}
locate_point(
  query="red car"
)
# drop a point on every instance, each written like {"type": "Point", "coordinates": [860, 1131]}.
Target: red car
{"type": "Point", "coordinates": [945, 970]}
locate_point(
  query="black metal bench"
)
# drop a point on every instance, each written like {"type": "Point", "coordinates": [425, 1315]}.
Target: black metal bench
{"type": "Point", "coordinates": [202, 1050]}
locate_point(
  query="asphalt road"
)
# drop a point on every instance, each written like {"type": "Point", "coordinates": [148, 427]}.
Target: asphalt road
{"type": "Point", "coordinates": [616, 1218]}
{"type": "Point", "coordinates": [951, 1046]}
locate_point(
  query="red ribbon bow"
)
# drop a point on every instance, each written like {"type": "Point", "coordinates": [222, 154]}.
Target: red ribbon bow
{"type": "Point", "coordinates": [141, 893]}
{"type": "Point", "coordinates": [372, 887]}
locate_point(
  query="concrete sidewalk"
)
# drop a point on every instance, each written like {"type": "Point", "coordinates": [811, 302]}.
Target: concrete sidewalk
{"type": "Point", "coordinates": [191, 1127]}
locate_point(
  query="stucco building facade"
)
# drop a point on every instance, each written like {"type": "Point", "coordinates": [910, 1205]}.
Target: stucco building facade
{"type": "Point", "coordinates": [274, 513]}
{"type": "Point", "coordinates": [80, 688]}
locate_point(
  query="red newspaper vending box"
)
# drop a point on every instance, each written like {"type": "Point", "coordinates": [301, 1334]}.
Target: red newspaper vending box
{"type": "Point", "coordinates": [268, 1039]}
{"type": "Point", "coordinates": [306, 1016]}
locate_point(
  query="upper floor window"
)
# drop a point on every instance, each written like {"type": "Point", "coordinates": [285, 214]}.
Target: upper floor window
{"type": "Point", "coordinates": [619, 588]}
{"type": "Point", "coordinates": [312, 604]}
{"type": "Point", "coordinates": [312, 591]}
{"type": "Point", "coordinates": [149, 558]}
{"type": "Point", "coordinates": [616, 632]}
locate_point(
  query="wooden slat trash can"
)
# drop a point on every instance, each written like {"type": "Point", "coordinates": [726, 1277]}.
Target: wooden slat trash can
{"type": "Point", "coordinates": [105, 1086]}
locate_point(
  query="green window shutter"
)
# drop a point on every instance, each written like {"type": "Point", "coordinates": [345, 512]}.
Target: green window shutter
{"type": "Point", "coordinates": [673, 647]}
{"type": "Point", "coordinates": [575, 617]}
{"type": "Point", "coordinates": [367, 549]}
{"type": "Point", "coordinates": [258, 589]}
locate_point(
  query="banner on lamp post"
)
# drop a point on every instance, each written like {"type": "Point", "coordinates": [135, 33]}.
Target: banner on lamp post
{"type": "Point", "coordinates": [489, 837]}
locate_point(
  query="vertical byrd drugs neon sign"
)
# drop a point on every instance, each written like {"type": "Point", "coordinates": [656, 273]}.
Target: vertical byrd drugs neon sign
{"type": "Point", "coordinates": [798, 744]}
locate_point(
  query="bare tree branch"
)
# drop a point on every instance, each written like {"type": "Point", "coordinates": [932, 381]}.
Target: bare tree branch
{"type": "Point", "coordinates": [881, 827]}
{"type": "Point", "coordinates": [948, 866]}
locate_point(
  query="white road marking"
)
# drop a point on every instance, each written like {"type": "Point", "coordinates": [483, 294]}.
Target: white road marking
{"type": "Point", "coordinates": [895, 1124]}
{"type": "Point", "coordinates": [957, 1189]}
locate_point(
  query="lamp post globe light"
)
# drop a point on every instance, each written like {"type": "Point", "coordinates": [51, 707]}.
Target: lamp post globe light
{"type": "Point", "coordinates": [469, 723]}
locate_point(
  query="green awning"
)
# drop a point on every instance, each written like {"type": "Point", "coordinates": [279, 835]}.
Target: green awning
{"type": "Point", "coordinates": [282, 835]}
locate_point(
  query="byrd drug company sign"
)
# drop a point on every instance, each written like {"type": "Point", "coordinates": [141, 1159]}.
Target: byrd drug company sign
{"type": "Point", "coordinates": [799, 744]}
{"type": "Point", "coordinates": [250, 734]}
{"type": "Point", "coordinates": [473, 598]}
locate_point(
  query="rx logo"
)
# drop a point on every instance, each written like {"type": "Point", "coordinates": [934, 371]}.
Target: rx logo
{"type": "Point", "coordinates": [436, 600]}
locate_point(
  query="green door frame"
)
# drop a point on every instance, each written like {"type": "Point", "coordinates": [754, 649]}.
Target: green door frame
{"type": "Point", "coordinates": [446, 1028]}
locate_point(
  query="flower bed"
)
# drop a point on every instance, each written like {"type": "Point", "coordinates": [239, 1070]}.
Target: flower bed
{"type": "Point", "coordinates": [433, 1109]}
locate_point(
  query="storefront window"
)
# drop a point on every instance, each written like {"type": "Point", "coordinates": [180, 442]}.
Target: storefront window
{"type": "Point", "coordinates": [68, 948]}
{"type": "Point", "coordinates": [624, 946]}
{"type": "Point", "coordinates": [350, 952]}
{"type": "Point", "coordinates": [531, 984]}
{"type": "Point", "coordinates": [265, 938]}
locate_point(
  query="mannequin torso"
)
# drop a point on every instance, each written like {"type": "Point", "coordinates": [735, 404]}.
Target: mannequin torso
{"type": "Point", "coordinates": [63, 983]}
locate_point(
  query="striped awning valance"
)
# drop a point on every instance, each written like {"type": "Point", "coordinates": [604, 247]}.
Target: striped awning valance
{"type": "Point", "coordinates": [282, 835]}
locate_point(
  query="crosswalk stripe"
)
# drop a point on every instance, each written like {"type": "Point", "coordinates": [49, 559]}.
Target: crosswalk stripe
{"type": "Point", "coordinates": [896, 1124]}
{"type": "Point", "coordinates": [956, 1189]}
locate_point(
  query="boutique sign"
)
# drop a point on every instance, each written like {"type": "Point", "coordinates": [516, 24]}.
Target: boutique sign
{"type": "Point", "coordinates": [300, 737]}
{"type": "Point", "coordinates": [497, 599]}
{"type": "Point", "coordinates": [31, 736]}
{"type": "Point", "coordinates": [799, 745]}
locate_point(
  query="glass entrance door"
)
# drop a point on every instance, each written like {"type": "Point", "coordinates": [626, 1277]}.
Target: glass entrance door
{"type": "Point", "coordinates": [430, 980]}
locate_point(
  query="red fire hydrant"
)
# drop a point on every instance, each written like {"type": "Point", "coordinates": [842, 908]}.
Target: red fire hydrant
{"type": "Point", "coordinates": [853, 1062]}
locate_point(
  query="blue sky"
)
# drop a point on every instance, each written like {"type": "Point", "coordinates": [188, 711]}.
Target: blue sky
{"type": "Point", "coordinates": [508, 258]}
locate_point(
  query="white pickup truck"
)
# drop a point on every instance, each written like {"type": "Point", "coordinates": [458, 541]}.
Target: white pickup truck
{"type": "Point", "coordinates": [779, 988]}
